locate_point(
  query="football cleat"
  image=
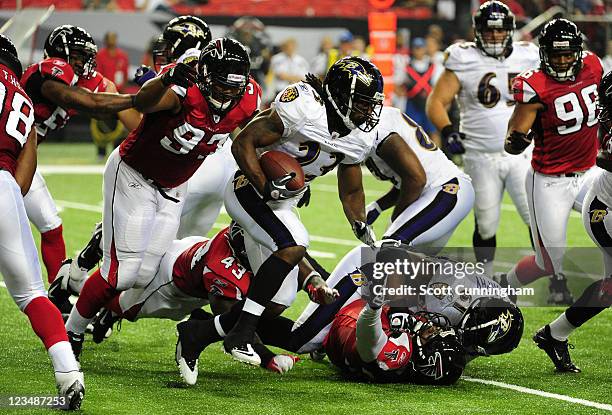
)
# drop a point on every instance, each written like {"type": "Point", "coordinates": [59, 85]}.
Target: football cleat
{"type": "Point", "coordinates": [199, 314]}
{"type": "Point", "coordinates": [241, 349]}
{"type": "Point", "coordinates": [102, 324]}
{"type": "Point", "coordinates": [282, 363]}
{"type": "Point", "coordinates": [76, 342]}
{"type": "Point", "coordinates": [318, 355]}
{"type": "Point", "coordinates": [559, 293]}
{"type": "Point", "coordinates": [188, 350]}
{"type": "Point", "coordinates": [557, 350]}
{"type": "Point", "coordinates": [71, 389]}
{"type": "Point", "coordinates": [502, 279]}
{"type": "Point", "coordinates": [59, 290]}
{"type": "Point", "coordinates": [91, 255]}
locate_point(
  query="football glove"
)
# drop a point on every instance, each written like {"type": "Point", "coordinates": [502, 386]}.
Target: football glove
{"type": "Point", "coordinates": [143, 74]}
{"type": "Point", "coordinates": [373, 291]}
{"type": "Point", "coordinates": [517, 142]}
{"type": "Point", "coordinates": [364, 233]}
{"type": "Point", "coordinates": [373, 211]}
{"type": "Point", "coordinates": [277, 189]}
{"type": "Point", "coordinates": [318, 291]}
{"type": "Point", "coordinates": [453, 139]}
{"type": "Point", "coordinates": [181, 75]}
{"type": "Point", "coordinates": [305, 200]}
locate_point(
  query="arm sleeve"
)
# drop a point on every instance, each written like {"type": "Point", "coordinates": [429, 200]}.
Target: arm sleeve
{"type": "Point", "coordinates": [371, 338]}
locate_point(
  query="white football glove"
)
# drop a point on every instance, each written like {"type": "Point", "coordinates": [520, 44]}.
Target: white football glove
{"type": "Point", "coordinates": [282, 363]}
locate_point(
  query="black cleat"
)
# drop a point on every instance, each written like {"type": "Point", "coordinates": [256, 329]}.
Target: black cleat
{"type": "Point", "coordinates": [199, 314]}
{"type": "Point", "coordinates": [71, 390]}
{"type": "Point", "coordinates": [557, 350]}
{"type": "Point", "coordinates": [559, 293]}
{"type": "Point", "coordinates": [76, 342]}
{"type": "Point", "coordinates": [59, 291]}
{"type": "Point", "coordinates": [241, 348]}
{"type": "Point", "coordinates": [102, 324]}
{"type": "Point", "coordinates": [91, 255]}
{"type": "Point", "coordinates": [188, 349]}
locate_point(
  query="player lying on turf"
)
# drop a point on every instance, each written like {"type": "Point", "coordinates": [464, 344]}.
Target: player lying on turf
{"type": "Point", "coordinates": [552, 338]}
{"type": "Point", "coordinates": [365, 339]}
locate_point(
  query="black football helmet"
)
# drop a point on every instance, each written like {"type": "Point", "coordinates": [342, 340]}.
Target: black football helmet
{"type": "Point", "coordinates": [605, 104]}
{"type": "Point", "coordinates": [439, 359]}
{"type": "Point", "coordinates": [179, 35]}
{"type": "Point", "coordinates": [354, 87]}
{"type": "Point", "coordinates": [560, 37]}
{"type": "Point", "coordinates": [76, 46]}
{"type": "Point", "coordinates": [490, 16]}
{"type": "Point", "coordinates": [491, 326]}
{"type": "Point", "coordinates": [223, 73]}
{"type": "Point", "coordinates": [8, 55]}
{"type": "Point", "coordinates": [235, 237]}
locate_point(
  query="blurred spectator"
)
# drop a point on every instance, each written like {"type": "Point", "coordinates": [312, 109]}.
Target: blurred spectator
{"type": "Point", "coordinates": [400, 61]}
{"type": "Point", "coordinates": [607, 60]}
{"type": "Point", "coordinates": [320, 62]}
{"type": "Point", "coordinates": [155, 5]}
{"type": "Point", "coordinates": [432, 45]}
{"type": "Point", "coordinates": [436, 31]}
{"type": "Point", "coordinates": [420, 75]}
{"type": "Point", "coordinates": [100, 4]}
{"type": "Point", "coordinates": [345, 48]}
{"type": "Point", "coordinates": [251, 32]}
{"type": "Point", "coordinates": [361, 48]}
{"type": "Point", "coordinates": [287, 67]}
{"type": "Point", "coordinates": [112, 62]}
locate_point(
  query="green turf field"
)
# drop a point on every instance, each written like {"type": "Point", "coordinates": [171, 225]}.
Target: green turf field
{"type": "Point", "coordinates": [133, 372]}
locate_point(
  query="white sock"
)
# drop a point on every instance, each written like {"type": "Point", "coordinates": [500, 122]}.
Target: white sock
{"type": "Point", "coordinates": [561, 328]}
{"type": "Point", "coordinates": [218, 327]}
{"type": "Point", "coordinates": [62, 357]}
{"type": "Point", "coordinates": [252, 307]}
{"type": "Point", "coordinates": [76, 322]}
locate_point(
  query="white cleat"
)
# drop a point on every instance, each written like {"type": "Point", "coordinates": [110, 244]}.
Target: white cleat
{"type": "Point", "coordinates": [246, 354]}
{"type": "Point", "coordinates": [188, 368]}
{"type": "Point", "coordinates": [71, 389]}
{"type": "Point", "coordinates": [282, 363]}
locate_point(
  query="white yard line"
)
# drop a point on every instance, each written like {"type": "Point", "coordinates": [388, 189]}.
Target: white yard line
{"type": "Point", "coordinates": [540, 393]}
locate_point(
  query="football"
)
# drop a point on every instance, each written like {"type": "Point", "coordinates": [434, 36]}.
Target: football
{"type": "Point", "coordinates": [277, 164]}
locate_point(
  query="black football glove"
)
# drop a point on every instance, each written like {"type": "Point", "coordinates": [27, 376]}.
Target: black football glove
{"type": "Point", "coordinates": [143, 74]}
{"type": "Point", "coordinates": [453, 139]}
{"type": "Point", "coordinates": [364, 233]}
{"type": "Point", "coordinates": [181, 75]}
{"type": "Point", "coordinates": [277, 189]}
{"type": "Point", "coordinates": [517, 142]}
{"type": "Point", "coordinates": [305, 200]}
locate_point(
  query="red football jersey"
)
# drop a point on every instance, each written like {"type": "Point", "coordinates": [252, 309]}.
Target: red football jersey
{"type": "Point", "coordinates": [211, 267]}
{"type": "Point", "coordinates": [16, 119]}
{"type": "Point", "coordinates": [341, 342]}
{"type": "Point", "coordinates": [48, 116]}
{"type": "Point", "coordinates": [566, 129]}
{"type": "Point", "coordinates": [97, 83]}
{"type": "Point", "coordinates": [168, 148]}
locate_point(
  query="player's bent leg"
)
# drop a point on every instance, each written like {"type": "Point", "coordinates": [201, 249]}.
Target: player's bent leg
{"type": "Point", "coordinates": [42, 211]}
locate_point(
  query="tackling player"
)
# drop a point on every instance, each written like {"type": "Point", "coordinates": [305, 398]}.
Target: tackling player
{"type": "Point", "coordinates": [313, 122]}
{"type": "Point", "coordinates": [480, 74]}
{"type": "Point", "coordinates": [596, 218]}
{"type": "Point", "coordinates": [145, 178]}
{"type": "Point", "coordinates": [55, 86]}
{"type": "Point", "coordinates": [431, 195]}
{"type": "Point", "coordinates": [556, 109]}
{"type": "Point", "coordinates": [19, 263]}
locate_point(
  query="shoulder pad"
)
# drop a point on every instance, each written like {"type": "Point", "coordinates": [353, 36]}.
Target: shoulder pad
{"type": "Point", "coordinates": [589, 58]}
{"type": "Point", "coordinates": [57, 69]}
{"type": "Point", "coordinates": [297, 103]}
{"type": "Point", "coordinates": [458, 54]}
{"type": "Point", "coordinates": [527, 86]}
{"type": "Point", "coordinates": [251, 100]}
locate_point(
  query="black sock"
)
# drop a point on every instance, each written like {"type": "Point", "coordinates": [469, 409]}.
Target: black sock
{"type": "Point", "coordinates": [268, 279]}
{"type": "Point", "coordinates": [484, 249]}
{"type": "Point", "coordinates": [590, 303]}
{"type": "Point", "coordinates": [317, 267]}
{"type": "Point", "coordinates": [277, 332]}
{"type": "Point", "coordinates": [228, 319]}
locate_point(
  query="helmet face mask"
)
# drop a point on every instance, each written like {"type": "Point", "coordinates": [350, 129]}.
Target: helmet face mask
{"type": "Point", "coordinates": [223, 74]}
{"type": "Point", "coordinates": [161, 55]}
{"type": "Point", "coordinates": [439, 358]}
{"type": "Point", "coordinates": [494, 27]}
{"type": "Point", "coordinates": [561, 49]}
{"type": "Point", "coordinates": [605, 104]}
{"type": "Point", "coordinates": [354, 88]}
{"type": "Point", "coordinates": [491, 326]}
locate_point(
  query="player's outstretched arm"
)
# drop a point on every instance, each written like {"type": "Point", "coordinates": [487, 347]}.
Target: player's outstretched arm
{"type": "Point", "coordinates": [400, 157]}
{"type": "Point", "coordinates": [82, 100]}
{"type": "Point", "coordinates": [156, 96]}
{"type": "Point", "coordinates": [369, 334]}
{"type": "Point", "coordinates": [26, 163]}
{"type": "Point", "coordinates": [264, 130]}
{"type": "Point", "coordinates": [440, 99]}
{"type": "Point", "coordinates": [130, 118]}
{"type": "Point", "coordinates": [523, 117]}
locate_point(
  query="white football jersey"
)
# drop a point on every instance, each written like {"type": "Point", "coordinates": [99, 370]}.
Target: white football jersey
{"type": "Point", "coordinates": [485, 99]}
{"type": "Point", "coordinates": [438, 168]}
{"type": "Point", "coordinates": [306, 136]}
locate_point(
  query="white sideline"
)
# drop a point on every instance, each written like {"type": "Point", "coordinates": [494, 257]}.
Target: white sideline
{"type": "Point", "coordinates": [543, 394]}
